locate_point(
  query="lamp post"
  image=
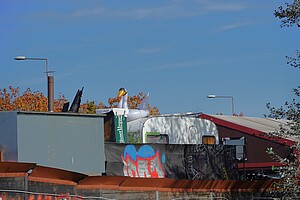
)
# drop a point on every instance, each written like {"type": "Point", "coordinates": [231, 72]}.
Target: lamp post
{"type": "Point", "coordinates": [50, 80]}
{"type": "Point", "coordinates": [212, 96]}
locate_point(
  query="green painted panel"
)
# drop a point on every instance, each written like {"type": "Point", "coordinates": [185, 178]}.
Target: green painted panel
{"type": "Point", "coordinates": [120, 128]}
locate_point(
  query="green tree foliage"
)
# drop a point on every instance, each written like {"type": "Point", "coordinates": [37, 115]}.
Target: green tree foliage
{"type": "Point", "coordinates": [289, 187]}
{"type": "Point", "coordinates": [290, 169]}
{"type": "Point", "coordinates": [289, 14]}
{"type": "Point", "coordinates": [294, 61]}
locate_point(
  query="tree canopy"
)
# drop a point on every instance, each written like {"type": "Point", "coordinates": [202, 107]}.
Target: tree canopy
{"type": "Point", "coordinates": [12, 99]}
{"type": "Point", "coordinates": [290, 170]}
{"type": "Point", "coordinates": [289, 14]}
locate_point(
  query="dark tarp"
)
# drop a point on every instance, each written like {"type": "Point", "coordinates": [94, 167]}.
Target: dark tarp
{"type": "Point", "coordinates": [197, 162]}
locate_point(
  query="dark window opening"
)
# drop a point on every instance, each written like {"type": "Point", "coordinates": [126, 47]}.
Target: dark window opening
{"type": "Point", "coordinates": [157, 138]}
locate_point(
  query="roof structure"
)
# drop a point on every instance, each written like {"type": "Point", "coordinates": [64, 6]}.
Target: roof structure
{"type": "Point", "coordinates": [259, 127]}
{"type": "Point", "coordinates": [38, 173]}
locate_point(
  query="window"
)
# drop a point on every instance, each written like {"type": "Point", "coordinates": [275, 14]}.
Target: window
{"type": "Point", "coordinates": [240, 144]}
{"type": "Point", "coordinates": [208, 139]}
{"type": "Point", "coordinates": [155, 137]}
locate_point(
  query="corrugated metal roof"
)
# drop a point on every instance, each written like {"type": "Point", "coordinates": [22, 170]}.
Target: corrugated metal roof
{"type": "Point", "coordinates": [173, 185]}
{"type": "Point", "coordinates": [140, 184]}
{"type": "Point", "coordinates": [82, 181]}
{"type": "Point", "coordinates": [16, 167]}
{"type": "Point", "coordinates": [59, 174]}
{"type": "Point", "coordinates": [102, 182]}
{"type": "Point", "coordinates": [265, 125]}
{"type": "Point", "coordinates": [260, 127]}
{"type": "Point", "coordinates": [41, 173]}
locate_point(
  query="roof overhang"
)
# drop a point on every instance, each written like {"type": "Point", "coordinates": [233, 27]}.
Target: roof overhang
{"type": "Point", "coordinates": [247, 130]}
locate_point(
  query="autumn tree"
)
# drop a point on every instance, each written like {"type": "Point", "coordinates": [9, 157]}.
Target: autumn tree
{"type": "Point", "coordinates": [7, 98]}
{"type": "Point", "coordinates": [11, 99]}
{"type": "Point", "coordinates": [133, 102]}
{"type": "Point", "coordinates": [89, 107]}
{"type": "Point", "coordinates": [59, 103]}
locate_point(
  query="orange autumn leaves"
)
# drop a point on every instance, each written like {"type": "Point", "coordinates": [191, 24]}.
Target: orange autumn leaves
{"type": "Point", "coordinates": [133, 102]}
{"type": "Point", "coordinates": [11, 99]}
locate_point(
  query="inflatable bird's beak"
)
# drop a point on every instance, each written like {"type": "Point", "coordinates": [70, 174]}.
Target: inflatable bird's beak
{"type": "Point", "coordinates": [122, 92]}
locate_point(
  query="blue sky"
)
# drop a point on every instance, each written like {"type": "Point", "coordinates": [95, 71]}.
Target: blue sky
{"type": "Point", "coordinates": [179, 51]}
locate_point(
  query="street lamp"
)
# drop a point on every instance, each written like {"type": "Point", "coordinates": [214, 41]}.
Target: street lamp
{"type": "Point", "coordinates": [50, 80]}
{"type": "Point", "coordinates": [212, 96]}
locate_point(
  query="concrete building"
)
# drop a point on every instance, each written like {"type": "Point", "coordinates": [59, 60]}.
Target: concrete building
{"type": "Point", "coordinates": [62, 140]}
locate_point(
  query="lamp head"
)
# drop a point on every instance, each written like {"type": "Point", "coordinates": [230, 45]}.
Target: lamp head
{"type": "Point", "coordinates": [20, 58]}
{"type": "Point", "coordinates": [211, 96]}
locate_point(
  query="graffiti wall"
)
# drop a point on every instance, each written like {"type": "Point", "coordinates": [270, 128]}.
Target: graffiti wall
{"type": "Point", "coordinates": [196, 162]}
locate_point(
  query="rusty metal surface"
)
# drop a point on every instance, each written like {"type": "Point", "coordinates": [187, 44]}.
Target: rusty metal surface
{"type": "Point", "coordinates": [82, 181]}
{"type": "Point", "coordinates": [53, 173]}
{"type": "Point", "coordinates": [171, 185]}
{"type": "Point", "coordinates": [141, 184]}
{"type": "Point", "coordinates": [10, 167]}
{"type": "Point", "coordinates": [176, 185]}
{"type": "Point", "coordinates": [102, 182]}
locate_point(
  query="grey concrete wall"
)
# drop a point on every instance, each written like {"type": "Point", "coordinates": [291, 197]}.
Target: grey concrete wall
{"type": "Point", "coordinates": [8, 136]}
{"type": "Point", "coordinates": [66, 141]}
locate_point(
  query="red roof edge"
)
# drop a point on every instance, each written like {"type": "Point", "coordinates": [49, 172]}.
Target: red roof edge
{"type": "Point", "coordinates": [259, 165]}
{"type": "Point", "coordinates": [122, 183]}
{"type": "Point", "coordinates": [248, 130]}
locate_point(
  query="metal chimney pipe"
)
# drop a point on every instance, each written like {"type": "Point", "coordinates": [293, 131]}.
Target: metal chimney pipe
{"type": "Point", "coordinates": [50, 93]}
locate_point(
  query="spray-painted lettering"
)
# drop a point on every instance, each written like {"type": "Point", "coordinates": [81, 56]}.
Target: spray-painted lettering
{"type": "Point", "coordinates": [143, 163]}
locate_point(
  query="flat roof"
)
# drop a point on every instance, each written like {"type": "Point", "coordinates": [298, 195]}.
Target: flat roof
{"type": "Point", "coordinates": [55, 113]}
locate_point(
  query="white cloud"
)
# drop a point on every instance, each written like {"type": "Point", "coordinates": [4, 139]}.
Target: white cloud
{"type": "Point", "coordinates": [176, 9]}
{"type": "Point", "coordinates": [236, 25]}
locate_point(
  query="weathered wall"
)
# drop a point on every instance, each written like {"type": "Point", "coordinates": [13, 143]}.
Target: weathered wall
{"type": "Point", "coordinates": [15, 186]}
{"type": "Point", "coordinates": [8, 134]}
{"type": "Point", "coordinates": [255, 147]}
{"type": "Point", "coordinates": [196, 162]}
{"type": "Point", "coordinates": [67, 141]}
